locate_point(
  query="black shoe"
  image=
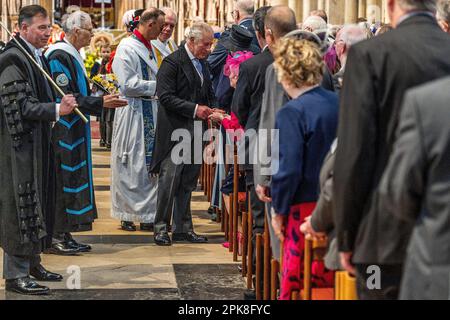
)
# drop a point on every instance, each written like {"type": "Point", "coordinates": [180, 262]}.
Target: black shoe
{"type": "Point", "coordinates": [26, 286]}
{"type": "Point", "coordinates": [81, 247]}
{"type": "Point", "coordinates": [62, 249]}
{"type": "Point", "coordinates": [128, 226]}
{"type": "Point", "coordinates": [41, 274]}
{"type": "Point", "coordinates": [190, 237]}
{"type": "Point", "coordinates": [163, 239]}
{"type": "Point", "coordinates": [102, 143]}
{"type": "Point", "coordinates": [250, 295]}
{"type": "Point", "coordinates": [108, 146]}
{"type": "Point", "coordinates": [71, 242]}
{"type": "Point", "coordinates": [146, 226]}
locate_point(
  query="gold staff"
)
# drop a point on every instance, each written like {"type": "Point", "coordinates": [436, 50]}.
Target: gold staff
{"type": "Point", "coordinates": [57, 88]}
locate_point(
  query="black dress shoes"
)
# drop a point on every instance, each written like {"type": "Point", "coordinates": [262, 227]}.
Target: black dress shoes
{"type": "Point", "coordinates": [63, 249]}
{"type": "Point", "coordinates": [190, 237]}
{"type": "Point", "coordinates": [71, 242]}
{"type": "Point", "coordinates": [41, 274]}
{"type": "Point", "coordinates": [128, 226]}
{"type": "Point", "coordinates": [26, 286]}
{"type": "Point", "coordinates": [146, 226]}
{"type": "Point", "coordinates": [163, 239]}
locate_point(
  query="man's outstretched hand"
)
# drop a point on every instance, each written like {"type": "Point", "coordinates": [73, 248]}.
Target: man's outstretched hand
{"type": "Point", "coordinates": [113, 101]}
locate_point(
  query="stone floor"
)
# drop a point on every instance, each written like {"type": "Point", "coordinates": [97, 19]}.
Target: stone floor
{"type": "Point", "coordinates": [130, 266]}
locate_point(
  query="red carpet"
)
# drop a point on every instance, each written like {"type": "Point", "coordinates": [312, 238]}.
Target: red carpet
{"type": "Point", "coordinates": [95, 130]}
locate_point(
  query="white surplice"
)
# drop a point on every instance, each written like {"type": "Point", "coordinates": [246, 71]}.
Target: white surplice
{"type": "Point", "coordinates": [133, 192]}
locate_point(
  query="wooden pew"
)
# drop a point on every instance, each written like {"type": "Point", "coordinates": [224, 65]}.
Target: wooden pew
{"type": "Point", "coordinates": [315, 250]}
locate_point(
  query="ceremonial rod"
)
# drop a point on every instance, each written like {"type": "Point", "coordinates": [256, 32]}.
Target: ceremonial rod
{"type": "Point", "coordinates": [57, 88]}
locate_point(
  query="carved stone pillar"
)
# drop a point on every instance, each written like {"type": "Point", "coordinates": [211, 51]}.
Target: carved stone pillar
{"type": "Point", "coordinates": [362, 8]}
{"type": "Point", "coordinates": [297, 6]}
{"type": "Point", "coordinates": [308, 6]}
{"type": "Point", "coordinates": [351, 11]}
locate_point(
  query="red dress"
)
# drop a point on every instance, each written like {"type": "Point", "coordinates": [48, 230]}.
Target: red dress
{"type": "Point", "coordinates": [294, 246]}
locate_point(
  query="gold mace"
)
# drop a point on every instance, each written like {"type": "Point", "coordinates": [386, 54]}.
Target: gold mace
{"type": "Point", "coordinates": [53, 83]}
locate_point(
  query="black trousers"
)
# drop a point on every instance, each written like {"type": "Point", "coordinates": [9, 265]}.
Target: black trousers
{"type": "Point", "coordinates": [390, 277]}
{"type": "Point", "coordinates": [175, 185]}
{"type": "Point", "coordinates": [15, 267]}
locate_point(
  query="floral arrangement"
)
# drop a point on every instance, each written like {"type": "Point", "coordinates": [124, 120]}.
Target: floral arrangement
{"type": "Point", "coordinates": [90, 61]}
{"type": "Point", "coordinates": [108, 81]}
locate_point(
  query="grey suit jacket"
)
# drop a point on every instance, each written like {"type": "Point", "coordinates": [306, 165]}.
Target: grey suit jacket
{"type": "Point", "coordinates": [274, 98]}
{"type": "Point", "coordinates": [416, 188]}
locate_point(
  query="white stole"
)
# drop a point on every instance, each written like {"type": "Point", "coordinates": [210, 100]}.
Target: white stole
{"type": "Point", "coordinates": [141, 50]}
{"type": "Point", "coordinates": [70, 49]}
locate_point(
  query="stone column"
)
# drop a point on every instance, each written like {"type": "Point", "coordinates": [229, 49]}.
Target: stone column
{"type": "Point", "coordinates": [351, 11]}
{"type": "Point", "coordinates": [308, 6]}
{"type": "Point", "coordinates": [362, 8]}
{"type": "Point", "coordinates": [321, 4]}
{"type": "Point", "coordinates": [297, 6]}
{"type": "Point", "coordinates": [279, 2]}
{"type": "Point", "coordinates": [336, 11]}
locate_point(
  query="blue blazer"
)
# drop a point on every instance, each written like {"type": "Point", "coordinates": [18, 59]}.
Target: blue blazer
{"type": "Point", "coordinates": [306, 129]}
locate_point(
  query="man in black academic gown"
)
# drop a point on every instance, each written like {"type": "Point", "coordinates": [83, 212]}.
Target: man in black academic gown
{"type": "Point", "coordinates": [26, 113]}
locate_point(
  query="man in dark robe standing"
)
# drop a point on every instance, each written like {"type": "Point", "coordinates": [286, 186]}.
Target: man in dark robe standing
{"type": "Point", "coordinates": [75, 208]}
{"type": "Point", "coordinates": [26, 112]}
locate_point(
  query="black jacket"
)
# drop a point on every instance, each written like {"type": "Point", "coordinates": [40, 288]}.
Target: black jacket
{"type": "Point", "coordinates": [179, 89]}
{"type": "Point", "coordinates": [378, 73]}
{"type": "Point", "coordinates": [26, 112]}
{"type": "Point", "coordinates": [249, 91]}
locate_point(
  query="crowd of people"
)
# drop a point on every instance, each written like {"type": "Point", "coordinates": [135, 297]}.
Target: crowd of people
{"type": "Point", "coordinates": [352, 122]}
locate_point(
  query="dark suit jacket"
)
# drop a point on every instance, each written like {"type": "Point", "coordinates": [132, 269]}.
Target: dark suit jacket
{"type": "Point", "coordinates": [378, 73]}
{"type": "Point", "coordinates": [249, 91]}
{"type": "Point", "coordinates": [416, 188]}
{"type": "Point", "coordinates": [248, 24]}
{"type": "Point", "coordinates": [179, 89]}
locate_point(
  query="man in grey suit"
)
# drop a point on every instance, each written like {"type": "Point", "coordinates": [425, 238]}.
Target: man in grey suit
{"type": "Point", "coordinates": [416, 188]}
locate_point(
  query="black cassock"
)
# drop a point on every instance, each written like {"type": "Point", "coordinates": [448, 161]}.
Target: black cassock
{"type": "Point", "coordinates": [26, 178]}
{"type": "Point", "coordinates": [75, 208]}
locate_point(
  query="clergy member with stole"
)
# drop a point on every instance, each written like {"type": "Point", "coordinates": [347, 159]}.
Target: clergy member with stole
{"type": "Point", "coordinates": [133, 188]}
{"type": "Point", "coordinates": [27, 109]}
{"type": "Point", "coordinates": [164, 45]}
{"type": "Point", "coordinates": [75, 208]}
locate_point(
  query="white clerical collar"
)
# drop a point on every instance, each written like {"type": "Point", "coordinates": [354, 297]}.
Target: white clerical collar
{"type": "Point", "coordinates": [32, 48]}
{"type": "Point", "coordinates": [191, 56]}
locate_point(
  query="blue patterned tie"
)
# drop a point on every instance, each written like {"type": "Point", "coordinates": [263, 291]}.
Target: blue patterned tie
{"type": "Point", "coordinates": [198, 66]}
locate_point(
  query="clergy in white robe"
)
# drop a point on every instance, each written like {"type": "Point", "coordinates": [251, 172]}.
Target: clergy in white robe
{"type": "Point", "coordinates": [133, 190]}
{"type": "Point", "coordinates": [164, 45]}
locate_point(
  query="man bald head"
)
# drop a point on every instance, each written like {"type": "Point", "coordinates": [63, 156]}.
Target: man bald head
{"type": "Point", "coordinates": [151, 23]}
{"type": "Point", "coordinates": [243, 9]}
{"type": "Point", "coordinates": [280, 20]}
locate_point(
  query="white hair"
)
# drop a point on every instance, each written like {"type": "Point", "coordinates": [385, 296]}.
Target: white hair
{"type": "Point", "coordinates": [315, 23]}
{"type": "Point", "coordinates": [443, 10]}
{"type": "Point", "coordinates": [245, 6]}
{"type": "Point", "coordinates": [169, 12]}
{"type": "Point", "coordinates": [78, 19]}
{"type": "Point", "coordinates": [198, 31]}
{"type": "Point", "coordinates": [351, 34]}
{"type": "Point", "coordinates": [424, 5]}
{"type": "Point", "coordinates": [127, 17]}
